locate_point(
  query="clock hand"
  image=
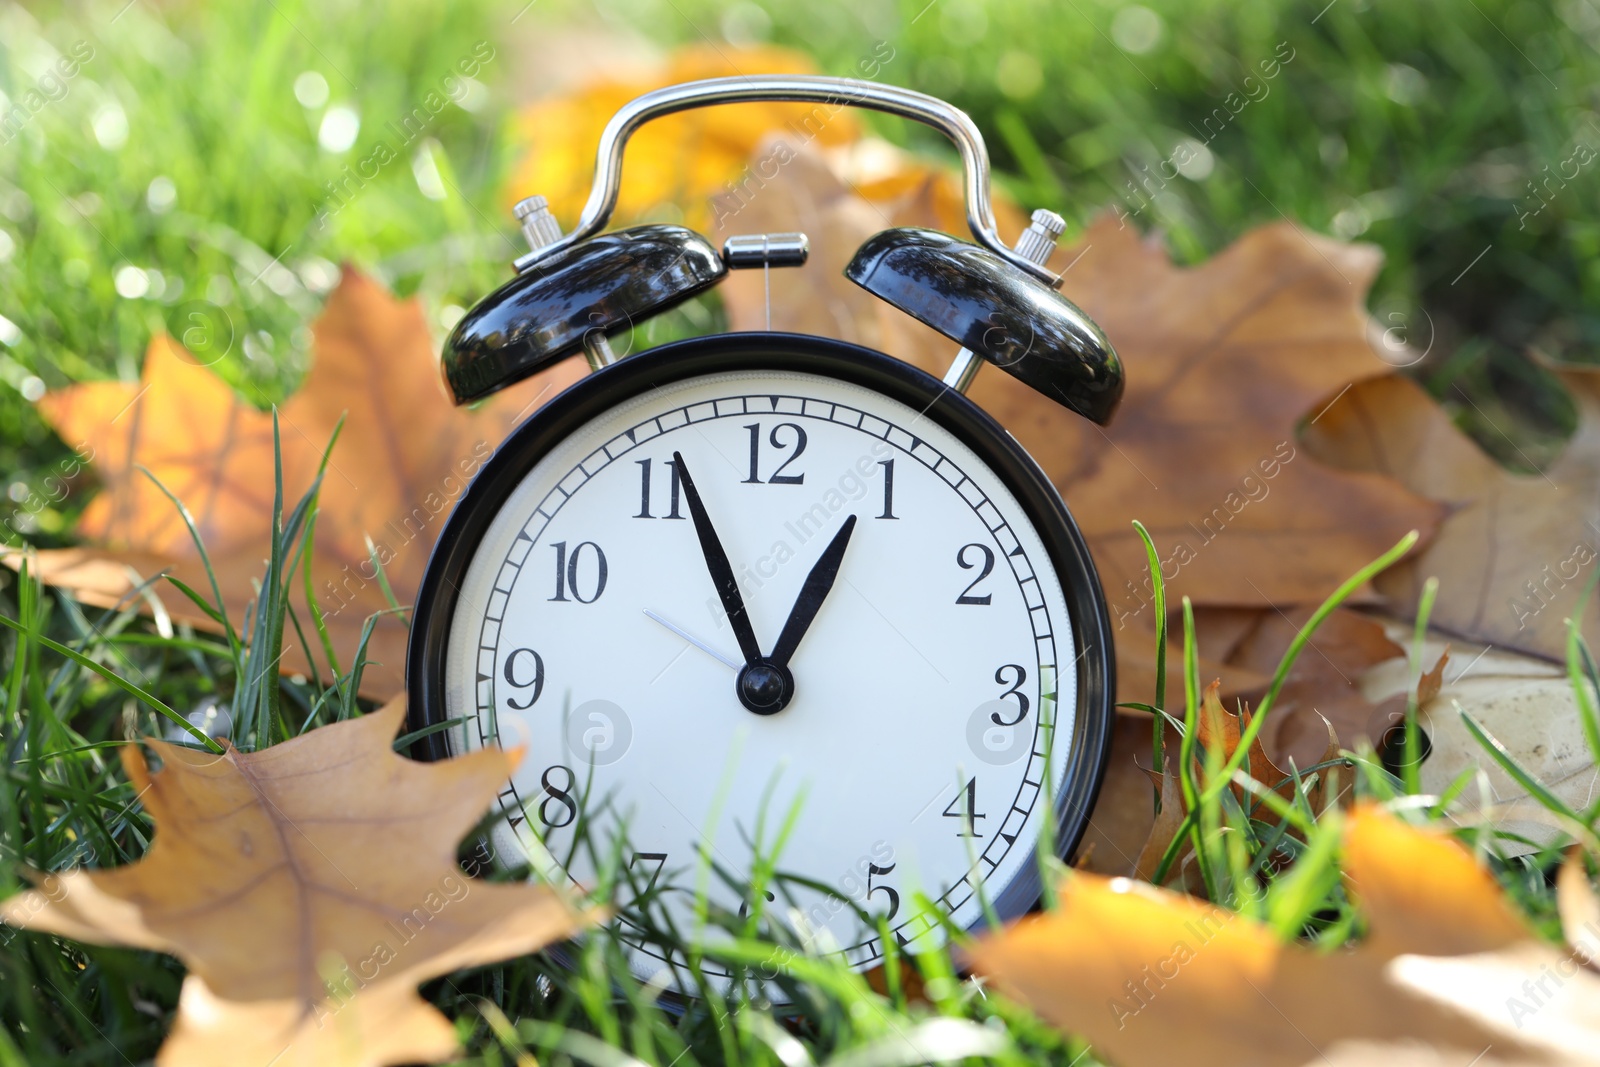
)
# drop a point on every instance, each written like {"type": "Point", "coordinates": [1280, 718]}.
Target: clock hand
{"type": "Point", "coordinates": [812, 593]}
{"type": "Point", "coordinates": [693, 640]}
{"type": "Point", "coordinates": [717, 563]}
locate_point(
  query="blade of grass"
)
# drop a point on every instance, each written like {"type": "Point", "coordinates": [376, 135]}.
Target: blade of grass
{"type": "Point", "coordinates": [148, 698]}
{"type": "Point", "coordinates": [1248, 736]}
{"type": "Point", "coordinates": [1508, 763]}
{"type": "Point", "coordinates": [217, 612]}
{"type": "Point", "coordinates": [1191, 732]}
{"type": "Point", "coordinates": [1159, 588]}
{"type": "Point", "coordinates": [1411, 768]}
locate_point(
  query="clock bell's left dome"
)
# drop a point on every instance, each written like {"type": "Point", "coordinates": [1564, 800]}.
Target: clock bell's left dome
{"type": "Point", "coordinates": [540, 317]}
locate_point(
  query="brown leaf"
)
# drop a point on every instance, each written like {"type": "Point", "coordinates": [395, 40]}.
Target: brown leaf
{"type": "Point", "coordinates": [1323, 688]}
{"type": "Point", "coordinates": [1126, 836]}
{"type": "Point", "coordinates": [403, 458]}
{"type": "Point", "coordinates": [1432, 680]}
{"type": "Point", "coordinates": [1438, 980]}
{"type": "Point", "coordinates": [1515, 552]}
{"type": "Point", "coordinates": [276, 878]}
{"type": "Point", "coordinates": [1391, 712]}
{"type": "Point", "coordinates": [1123, 812]}
{"type": "Point", "coordinates": [1165, 827]}
{"type": "Point", "coordinates": [1215, 726]}
{"type": "Point", "coordinates": [1223, 361]}
{"type": "Point", "coordinates": [805, 193]}
{"type": "Point", "coordinates": [1524, 702]}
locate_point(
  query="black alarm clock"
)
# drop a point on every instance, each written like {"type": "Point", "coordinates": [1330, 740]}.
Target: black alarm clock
{"type": "Point", "coordinates": [767, 591]}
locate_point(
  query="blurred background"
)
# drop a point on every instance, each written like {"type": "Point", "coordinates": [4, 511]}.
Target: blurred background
{"type": "Point", "coordinates": [204, 169]}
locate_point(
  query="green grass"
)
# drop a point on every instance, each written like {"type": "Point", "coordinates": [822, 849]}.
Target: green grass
{"type": "Point", "coordinates": [1416, 126]}
{"type": "Point", "coordinates": [77, 685]}
{"type": "Point", "coordinates": [1424, 127]}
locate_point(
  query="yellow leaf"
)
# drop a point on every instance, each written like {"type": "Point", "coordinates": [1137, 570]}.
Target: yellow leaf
{"type": "Point", "coordinates": [675, 162]}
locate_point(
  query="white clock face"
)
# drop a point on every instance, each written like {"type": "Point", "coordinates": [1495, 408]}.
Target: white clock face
{"type": "Point", "coordinates": [921, 743]}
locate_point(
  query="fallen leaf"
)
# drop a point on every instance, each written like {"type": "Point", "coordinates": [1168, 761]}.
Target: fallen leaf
{"type": "Point", "coordinates": [807, 194]}
{"type": "Point", "coordinates": [1126, 834]}
{"type": "Point", "coordinates": [403, 458]}
{"type": "Point", "coordinates": [1439, 978]}
{"type": "Point", "coordinates": [1524, 702]}
{"type": "Point", "coordinates": [1390, 715]}
{"type": "Point", "coordinates": [1220, 726]}
{"type": "Point", "coordinates": [676, 162]}
{"type": "Point", "coordinates": [1322, 690]}
{"type": "Point", "coordinates": [1579, 908]}
{"type": "Point", "coordinates": [1162, 829]}
{"type": "Point", "coordinates": [280, 879]}
{"type": "Point", "coordinates": [1516, 550]}
{"type": "Point", "coordinates": [1124, 811]}
{"type": "Point", "coordinates": [1224, 360]}
{"type": "Point", "coordinates": [1432, 679]}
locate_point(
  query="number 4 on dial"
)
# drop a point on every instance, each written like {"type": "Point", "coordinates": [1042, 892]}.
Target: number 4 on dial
{"type": "Point", "coordinates": [965, 808]}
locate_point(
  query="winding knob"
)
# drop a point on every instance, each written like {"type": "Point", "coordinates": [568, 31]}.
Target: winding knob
{"type": "Point", "coordinates": [539, 226]}
{"type": "Point", "coordinates": [1039, 239]}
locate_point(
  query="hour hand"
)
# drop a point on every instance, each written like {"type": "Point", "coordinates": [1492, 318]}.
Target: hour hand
{"type": "Point", "coordinates": [717, 563]}
{"type": "Point", "coordinates": [812, 593]}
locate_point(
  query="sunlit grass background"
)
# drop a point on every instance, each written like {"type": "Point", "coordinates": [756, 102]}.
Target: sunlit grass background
{"type": "Point", "coordinates": [186, 161]}
{"type": "Point", "coordinates": [174, 182]}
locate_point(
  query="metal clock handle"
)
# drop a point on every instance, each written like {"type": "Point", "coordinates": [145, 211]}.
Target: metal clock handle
{"type": "Point", "coordinates": [543, 231]}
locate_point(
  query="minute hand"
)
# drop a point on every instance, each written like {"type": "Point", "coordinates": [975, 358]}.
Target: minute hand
{"type": "Point", "coordinates": [812, 594]}
{"type": "Point", "coordinates": [721, 570]}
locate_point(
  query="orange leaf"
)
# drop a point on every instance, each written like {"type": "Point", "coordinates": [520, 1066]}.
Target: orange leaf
{"type": "Point", "coordinates": [275, 877]}
{"type": "Point", "coordinates": [1439, 980]}
{"type": "Point", "coordinates": [403, 458]}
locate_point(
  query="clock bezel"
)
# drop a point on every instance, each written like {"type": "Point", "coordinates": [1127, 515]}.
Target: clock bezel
{"type": "Point", "coordinates": [464, 530]}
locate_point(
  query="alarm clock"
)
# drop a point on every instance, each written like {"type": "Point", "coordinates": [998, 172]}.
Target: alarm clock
{"type": "Point", "coordinates": [770, 595]}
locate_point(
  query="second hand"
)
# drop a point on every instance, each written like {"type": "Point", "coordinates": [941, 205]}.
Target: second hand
{"type": "Point", "coordinates": [693, 640]}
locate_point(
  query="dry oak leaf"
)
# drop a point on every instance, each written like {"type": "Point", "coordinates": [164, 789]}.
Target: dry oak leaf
{"type": "Point", "coordinates": [308, 888]}
{"type": "Point", "coordinates": [838, 199]}
{"type": "Point", "coordinates": [678, 161]}
{"type": "Point", "coordinates": [1124, 813]}
{"type": "Point", "coordinates": [1127, 836]}
{"type": "Point", "coordinates": [1516, 551]}
{"type": "Point", "coordinates": [1322, 690]}
{"type": "Point", "coordinates": [1525, 703]}
{"type": "Point", "coordinates": [402, 460]}
{"type": "Point", "coordinates": [1224, 360]}
{"type": "Point", "coordinates": [1439, 979]}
